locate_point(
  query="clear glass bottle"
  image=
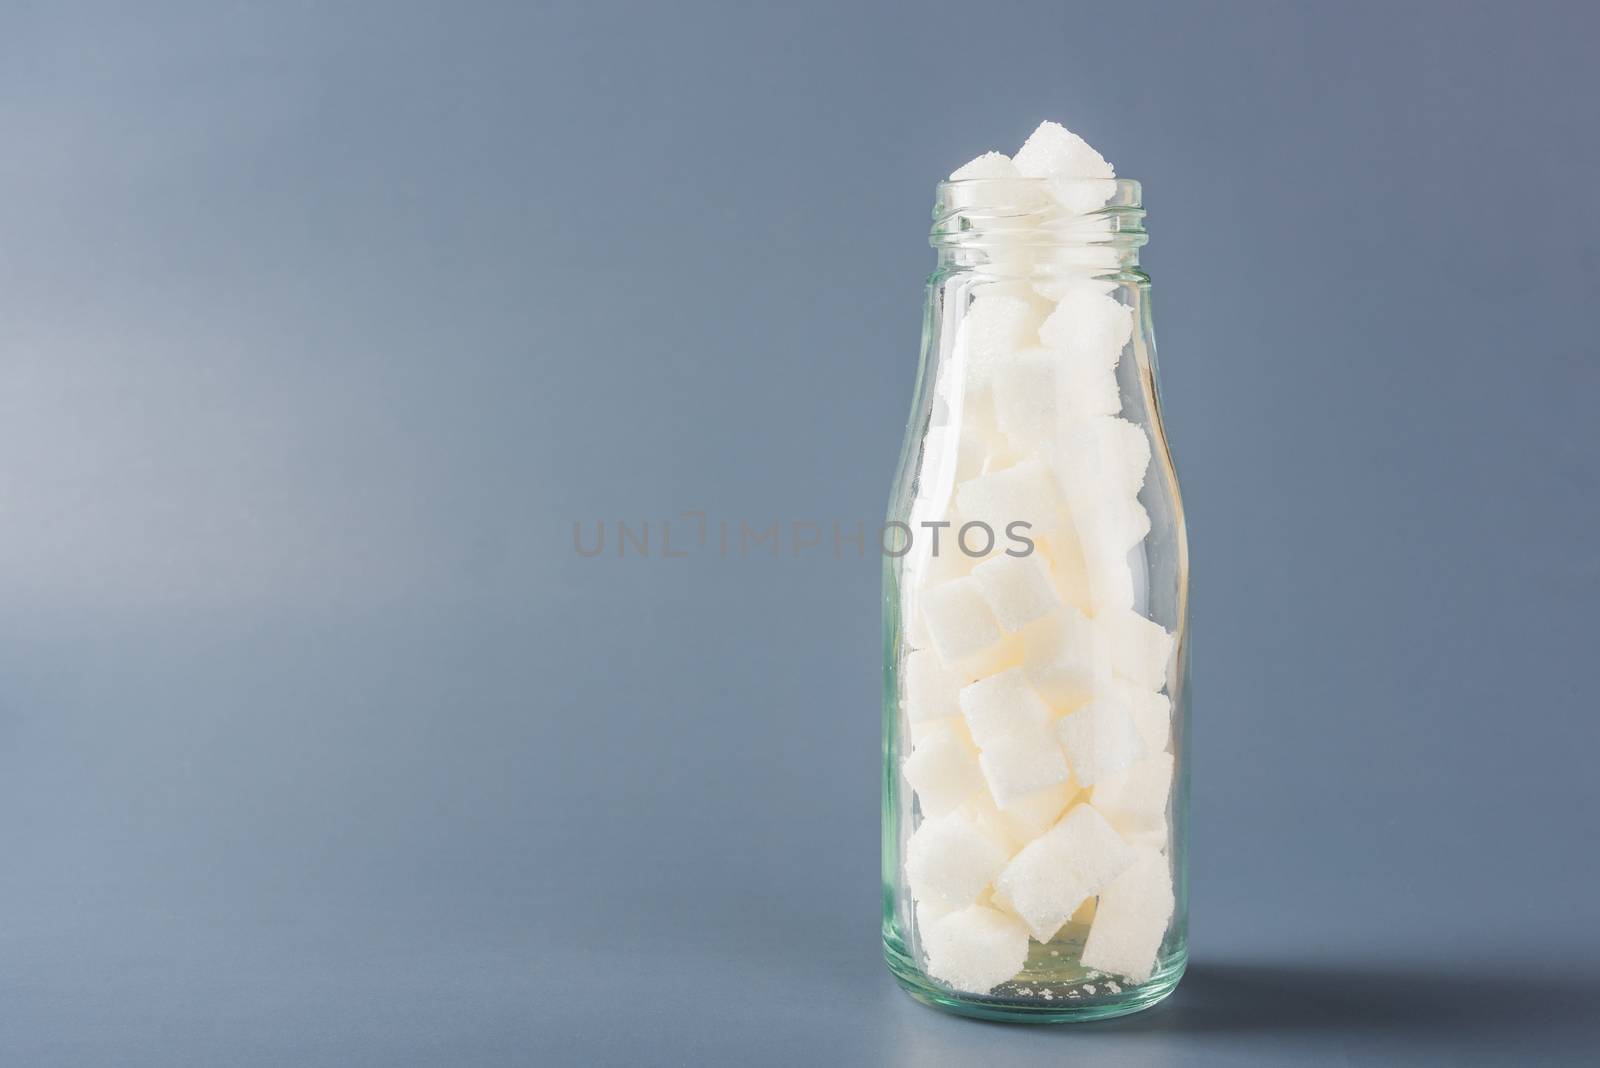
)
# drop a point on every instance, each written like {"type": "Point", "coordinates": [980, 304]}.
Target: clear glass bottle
{"type": "Point", "coordinates": [1036, 622]}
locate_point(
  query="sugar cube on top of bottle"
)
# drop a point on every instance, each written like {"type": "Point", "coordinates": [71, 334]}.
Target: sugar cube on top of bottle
{"type": "Point", "coordinates": [1131, 919]}
{"type": "Point", "coordinates": [975, 949]}
{"type": "Point", "coordinates": [1053, 151]}
{"type": "Point", "coordinates": [1050, 878]}
{"type": "Point", "coordinates": [943, 769]}
{"type": "Point", "coordinates": [988, 165]}
{"type": "Point", "coordinates": [951, 859]}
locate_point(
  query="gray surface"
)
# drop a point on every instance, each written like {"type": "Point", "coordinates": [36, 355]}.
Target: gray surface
{"type": "Point", "coordinates": [319, 745]}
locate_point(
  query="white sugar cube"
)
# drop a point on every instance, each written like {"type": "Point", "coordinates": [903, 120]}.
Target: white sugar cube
{"type": "Point", "coordinates": [1067, 570]}
{"type": "Point", "coordinates": [959, 622]}
{"type": "Point", "coordinates": [975, 949]}
{"type": "Point", "coordinates": [1059, 656]}
{"type": "Point", "coordinates": [996, 185]}
{"type": "Point", "coordinates": [1053, 280]}
{"type": "Point", "coordinates": [948, 457]}
{"type": "Point", "coordinates": [931, 690]}
{"type": "Point", "coordinates": [1110, 577]}
{"type": "Point", "coordinates": [1131, 920]}
{"type": "Point", "coordinates": [1134, 800]}
{"type": "Point", "coordinates": [1082, 195]}
{"type": "Point", "coordinates": [1028, 817]}
{"type": "Point", "coordinates": [1022, 493]}
{"type": "Point", "coordinates": [1110, 525]}
{"type": "Point", "coordinates": [1100, 738]}
{"type": "Point", "coordinates": [982, 809]}
{"type": "Point", "coordinates": [1036, 390]}
{"type": "Point", "coordinates": [1050, 878]}
{"type": "Point", "coordinates": [1099, 457]}
{"type": "Point", "coordinates": [996, 324]}
{"type": "Point", "coordinates": [922, 730]}
{"type": "Point", "coordinates": [1020, 763]}
{"type": "Point", "coordinates": [1018, 589]}
{"type": "Point", "coordinates": [1140, 647]}
{"type": "Point", "coordinates": [1023, 386]}
{"type": "Point", "coordinates": [1092, 325]}
{"type": "Point", "coordinates": [928, 913]}
{"type": "Point", "coordinates": [943, 770]}
{"type": "Point", "coordinates": [988, 165]}
{"type": "Point", "coordinates": [1152, 714]}
{"type": "Point", "coordinates": [952, 859]}
{"type": "Point", "coordinates": [1002, 704]}
{"type": "Point", "coordinates": [1053, 151]}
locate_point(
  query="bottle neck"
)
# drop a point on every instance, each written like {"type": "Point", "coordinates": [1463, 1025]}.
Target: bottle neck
{"type": "Point", "coordinates": [1040, 229]}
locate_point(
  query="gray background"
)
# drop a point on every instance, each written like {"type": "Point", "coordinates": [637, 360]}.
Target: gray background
{"type": "Point", "coordinates": [321, 324]}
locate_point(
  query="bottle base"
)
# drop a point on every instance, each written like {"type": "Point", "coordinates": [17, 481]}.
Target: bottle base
{"type": "Point", "coordinates": [1025, 1002]}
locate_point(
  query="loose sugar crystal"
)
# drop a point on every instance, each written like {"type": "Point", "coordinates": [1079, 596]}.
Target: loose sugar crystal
{"type": "Point", "coordinates": [943, 770]}
{"type": "Point", "coordinates": [1100, 738]}
{"type": "Point", "coordinates": [975, 949]}
{"type": "Point", "coordinates": [931, 690]}
{"type": "Point", "coordinates": [1021, 763]}
{"type": "Point", "coordinates": [959, 622]}
{"type": "Point", "coordinates": [1059, 657]}
{"type": "Point", "coordinates": [1140, 648]}
{"type": "Point", "coordinates": [1002, 704]}
{"type": "Point", "coordinates": [1018, 589]}
{"type": "Point", "coordinates": [1053, 151]}
{"type": "Point", "coordinates": [952, 859]}
{"type": "Point", "coordinates": [1051, 877]}
{"type": "Point", "coordinates": [1131, 919]}
{"type": "Point", "coordinates": [1134, 800]}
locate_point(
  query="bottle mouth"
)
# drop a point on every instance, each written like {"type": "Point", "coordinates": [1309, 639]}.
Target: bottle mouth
{"type": "Point", "coordinates": [979, 213]}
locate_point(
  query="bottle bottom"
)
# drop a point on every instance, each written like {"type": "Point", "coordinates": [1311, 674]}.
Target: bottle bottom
{"type": "Point", "coordinates": [1053, 988]}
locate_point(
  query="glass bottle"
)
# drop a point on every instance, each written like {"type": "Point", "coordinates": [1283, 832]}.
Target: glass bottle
{"type": "Point", "coordinates": [1036, 622]}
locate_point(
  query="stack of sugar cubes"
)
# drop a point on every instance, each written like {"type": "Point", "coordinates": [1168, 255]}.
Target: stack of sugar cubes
{"type": "Point", "coordinates": [1032, 689]}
